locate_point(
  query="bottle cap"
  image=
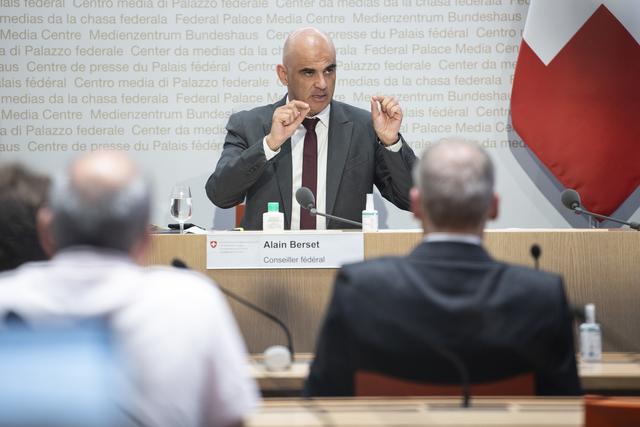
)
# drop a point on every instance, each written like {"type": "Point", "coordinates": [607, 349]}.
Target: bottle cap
{"type": "Point", "coordinates": [369, 206]}
{"type": "Point", "coordinates": [590, 313]}
{"type": "Point", "coordinates": [273, 207]}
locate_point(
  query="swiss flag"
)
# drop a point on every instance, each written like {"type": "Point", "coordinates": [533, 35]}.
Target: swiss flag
{"type": "Point", "coordinates": [576, 96]}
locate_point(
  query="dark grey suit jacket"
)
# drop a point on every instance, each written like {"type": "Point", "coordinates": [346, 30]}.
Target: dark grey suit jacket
{"type": "Point", "coordinates": [387, 315]}
{"type": "Point", "coordinates": [355, 162]}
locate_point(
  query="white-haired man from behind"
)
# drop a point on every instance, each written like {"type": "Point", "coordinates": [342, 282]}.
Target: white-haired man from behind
{"type": "Point", "coordinates": [185, 359]}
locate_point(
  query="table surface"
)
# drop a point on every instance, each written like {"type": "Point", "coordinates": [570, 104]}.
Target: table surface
{"type": "Point", "coordinates": [617, 371]}
{"type": "Point", "coordinates": [486, 412]}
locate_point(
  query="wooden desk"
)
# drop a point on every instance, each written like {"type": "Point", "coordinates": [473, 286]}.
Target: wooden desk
{"type": "Point", "coordinates": [618, 372]}
{"type": "Point", "coordinates": [486, 412]}
{"type": "Point", "coordinates": [598, 266]}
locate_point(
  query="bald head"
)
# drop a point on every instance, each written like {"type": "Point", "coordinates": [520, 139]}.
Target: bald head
{"type": "Point", "coordinates": [103, 170]}
{"type": "Point", "coordinates": [305, 39]}
{"type": "Point", "coordinates": [455, 180]}
{"type": "Point", "coordinates": [102, 200]}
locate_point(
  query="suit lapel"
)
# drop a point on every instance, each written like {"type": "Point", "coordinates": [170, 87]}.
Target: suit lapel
{"type": "Point", "coordinates": [340, 129]}
{"type": "Point", "coordinates": [282, 166]}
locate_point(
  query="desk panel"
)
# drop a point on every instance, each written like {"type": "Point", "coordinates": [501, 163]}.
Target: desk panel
{"type": "Point", "coordinates": [599, 266]}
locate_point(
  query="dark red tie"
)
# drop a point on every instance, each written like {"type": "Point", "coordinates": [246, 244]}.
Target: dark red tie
{"type": "Point", "coordinates": [309, 170]}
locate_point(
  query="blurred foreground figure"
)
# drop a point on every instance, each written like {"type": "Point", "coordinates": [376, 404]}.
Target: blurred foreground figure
{"type": "Point", "coordinates": [398, 315]}
{"type": "Point", "coordinates": [60, 376]}
{"type": "Point", "coordinates": [22, 193]}
{"type": "Point", "coordinates": [185, 360]}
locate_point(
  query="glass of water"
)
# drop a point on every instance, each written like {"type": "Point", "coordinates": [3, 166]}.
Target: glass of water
{"type": "Point", "coordinates": [180, 207]}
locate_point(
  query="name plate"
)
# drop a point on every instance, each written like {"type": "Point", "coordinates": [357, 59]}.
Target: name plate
{"type": "Point", "coordinates": [255, 249]}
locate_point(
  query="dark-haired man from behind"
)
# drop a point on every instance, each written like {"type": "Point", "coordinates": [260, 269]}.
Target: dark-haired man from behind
{"type": "Point", "coordinates": [22, 194]}
{"type": "Point", "coordinates": [396, 315]}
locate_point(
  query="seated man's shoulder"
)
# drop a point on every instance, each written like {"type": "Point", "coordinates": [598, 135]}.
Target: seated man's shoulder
{"type": "Point", "coordinates": [533, 285]}
{"type": "Point", "coordinates": [180, 285]}
{"type": "Point", "coordinates": [183, 301]}
{"type": "Point", "coordinates": [372, 273]}
{"type": "Point", "coordinates": [532, 275]}
{"type": "Point", "coordinates": [26, 273]}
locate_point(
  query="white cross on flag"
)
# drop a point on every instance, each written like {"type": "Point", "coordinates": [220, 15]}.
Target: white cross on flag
{"type": "Point", "coordinates": [576, 96]}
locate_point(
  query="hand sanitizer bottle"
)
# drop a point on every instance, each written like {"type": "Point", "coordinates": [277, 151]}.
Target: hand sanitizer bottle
{"type": "Point", "coordinates": [369, 216]}
{"type": "Point", "coordinates": [273, 219]}
{"type": "Point", "coordinates": [590, 337]}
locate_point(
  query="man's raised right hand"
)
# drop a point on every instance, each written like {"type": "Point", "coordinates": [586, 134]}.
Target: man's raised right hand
{"type": "Point", "coordinates": [285, 121]}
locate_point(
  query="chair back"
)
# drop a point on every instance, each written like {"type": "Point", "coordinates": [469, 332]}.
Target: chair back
{"type": "Point", "coordinates": [601, 411]}
{"type": "Point", "coordinates": [370, 384]}
{"type": "Point", "coordinates": [239, 213]}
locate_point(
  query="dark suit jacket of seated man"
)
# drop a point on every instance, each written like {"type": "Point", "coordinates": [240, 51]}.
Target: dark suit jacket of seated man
{"type": "Point", "coordinates": [262, 159]}
{"type": "Point", "coordinates": [394, 315]}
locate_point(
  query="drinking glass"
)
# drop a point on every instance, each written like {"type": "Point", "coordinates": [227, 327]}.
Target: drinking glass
{"type": "Point", "coordinates": [180, 208]}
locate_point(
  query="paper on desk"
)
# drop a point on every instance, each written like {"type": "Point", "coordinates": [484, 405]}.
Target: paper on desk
{"type": "Point", "coordinates": [195, 230]}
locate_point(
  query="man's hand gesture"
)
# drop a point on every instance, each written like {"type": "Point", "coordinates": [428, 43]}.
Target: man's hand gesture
{"type": "Point", "coordinates": [387, 118]}
{"type": "Point", "coordinates": [285, 121]}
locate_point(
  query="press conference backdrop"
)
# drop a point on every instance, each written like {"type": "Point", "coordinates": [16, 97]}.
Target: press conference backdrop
{"type": "Point", "coordinates": [159, 79]}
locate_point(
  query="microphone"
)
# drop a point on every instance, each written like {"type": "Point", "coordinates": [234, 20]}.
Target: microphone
{"type": "Point", "coordinates": [536, 251]}
{"type": "Point", "coordinates": [571, 200]}
{"type": "Point", "coordinates": [578, 311]}
{"type": "Point", "coordinates": [305, 198]}
{"type": "Point", "coordinates": [276, 357]}
{"type": "Point", "coordinates": [178, 263]}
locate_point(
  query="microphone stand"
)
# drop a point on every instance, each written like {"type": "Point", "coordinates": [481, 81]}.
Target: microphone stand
{"type": "Point", "coordinates": [314, 212]}
{"type": "Point", "coordinates": [580, 210]}
{"type": "Point", "coordinates": [265, 314]}
{"type": "Point", "coordinates": [178, 263]}
{"type": "Point", "coordinates": [462, 372]}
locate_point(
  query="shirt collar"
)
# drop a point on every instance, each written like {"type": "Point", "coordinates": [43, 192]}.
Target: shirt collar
{"type": "Point", "coordinates": [324, 115]}
{"type": "Point", "coordinates": [472, 239]}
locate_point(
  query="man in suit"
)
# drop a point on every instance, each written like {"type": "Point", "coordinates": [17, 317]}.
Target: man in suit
{"type": "Point", "coordinates": [308, 139]}
{"type": "Point", "coordinates": [398, 315]}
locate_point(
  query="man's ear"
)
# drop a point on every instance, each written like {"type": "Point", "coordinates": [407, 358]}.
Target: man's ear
{"type": "Point", "coordinates": [282, 74]}
{"type": "Point", "coordinates": [44, 219]}
{"type": "Point", "coordinates": [416, 203]}
{"type": "Point", "coordinates": [494, 207]}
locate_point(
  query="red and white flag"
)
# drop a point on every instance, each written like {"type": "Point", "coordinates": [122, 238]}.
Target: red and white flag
{"type": "Point", "coordinates": [576, 96]}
